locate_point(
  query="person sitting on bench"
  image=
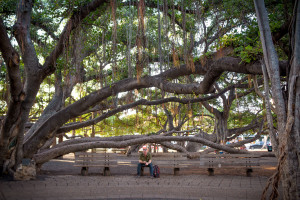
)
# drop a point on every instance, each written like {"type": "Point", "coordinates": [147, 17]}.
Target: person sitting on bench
{"type": "Point", "coordinates": [145, 161]}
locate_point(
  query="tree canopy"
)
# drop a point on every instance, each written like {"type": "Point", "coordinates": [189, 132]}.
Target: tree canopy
{"type": "Point", "coordinates": [122, 73]}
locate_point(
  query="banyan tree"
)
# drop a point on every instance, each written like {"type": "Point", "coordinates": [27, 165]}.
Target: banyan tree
{"type": "Point", "coordinates": [85, 74]}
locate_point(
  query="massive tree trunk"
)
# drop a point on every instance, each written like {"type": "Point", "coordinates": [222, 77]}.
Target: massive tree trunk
{"type": "Point", "coordinates": [288, 116]}
{"type": "Point", "coordinates": [221, 130]}
{"type": "Point", "coordinates": [23, 96]}
{"type": "Point", "coordinates": [15, 130]}
{"type": "Point", "coordinates": [291, 168]}
{"type": "Point", "coordinates": [221, 133]}
{"type": "Point", "coordinates": [12, 59]}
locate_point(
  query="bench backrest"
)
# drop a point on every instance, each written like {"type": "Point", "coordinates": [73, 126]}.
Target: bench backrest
{"type": "Point", "coordinates": [106, 159]}
{"type": "Point", "coordinates": [95, 159]}
{"type": "Point", "coordinates": [169, 159]}
{"type": "Point", "coordinates": [213, 160]}
{"type": "Point", "coordinates": [166, 159]}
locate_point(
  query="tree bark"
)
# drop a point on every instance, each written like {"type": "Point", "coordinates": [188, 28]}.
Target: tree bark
{"type": "Point", "coordinates": [14, 124]}
{"type": "Point", "coordinates": [194, 147]}
{"type": "Point", "coordinates": [288, 129]}
{"type": "Point", "coordinates": [8, 134]}
{"type": "Point", "coordinates": [291, 169]}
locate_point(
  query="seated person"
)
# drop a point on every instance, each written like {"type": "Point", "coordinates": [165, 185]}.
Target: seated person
{"type": "Point", "coordinates": [145, 161]}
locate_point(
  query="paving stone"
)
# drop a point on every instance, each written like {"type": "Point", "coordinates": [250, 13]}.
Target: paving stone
{"type": "Point", "coordinates": [127, 186]}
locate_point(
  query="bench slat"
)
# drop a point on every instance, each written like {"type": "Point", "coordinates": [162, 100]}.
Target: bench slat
{"type": "Point", "coordinates": [230, 155]}
{"type": "Point", "coordinates": [167, 160]}
{"type": "Point", "coordinates": [94, 161]}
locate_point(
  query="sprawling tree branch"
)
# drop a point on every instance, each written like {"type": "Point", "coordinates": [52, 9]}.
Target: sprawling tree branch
{"type": "Point", "coordinates": [214, 70]}
{"type": "Point", "coordinates": [96, 139]}
{"type": "Point", "coordinates": [52, 153]}
{"type": "Point", "coordinates": [159, 81]}
{"type": "Point", "coordinates": [73, 126]}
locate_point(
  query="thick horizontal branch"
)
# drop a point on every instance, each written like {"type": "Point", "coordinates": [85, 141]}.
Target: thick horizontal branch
{"type": "Point", "coordinates": [73, 126]}
{"type": "Point", "coordinates": [97, 139]}
{"type": "Point", "coordinates": [52, 153]}
{"type": "Point", "coordinates": [216, 68]}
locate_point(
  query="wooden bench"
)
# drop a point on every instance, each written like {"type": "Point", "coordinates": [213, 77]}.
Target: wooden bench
{"type": "Point", "coordinates": [163, 160]}
{"type": "Point", "coordinates": [93, 159]}
{"type": "Point", "coordinates": [212, 161]}
{"type": "Point", "coordinates": [107, 160]}
{"type": "Point", "coordinates": [176, 161]}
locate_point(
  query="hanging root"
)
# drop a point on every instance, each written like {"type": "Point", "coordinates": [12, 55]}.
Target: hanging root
{"type": "Point", "coordinates": [275, 178]}
{"type": "Point", "coordinates": [283, 154]}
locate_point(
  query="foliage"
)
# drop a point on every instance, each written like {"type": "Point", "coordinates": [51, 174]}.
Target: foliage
{"type": "Point", "coordinates": [89, 52]}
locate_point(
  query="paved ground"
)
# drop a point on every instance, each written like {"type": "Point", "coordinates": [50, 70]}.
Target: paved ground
{"type": "Point", "coordinates": [130, 187]}
{"type": "Point", "coordinates": [60, 180]}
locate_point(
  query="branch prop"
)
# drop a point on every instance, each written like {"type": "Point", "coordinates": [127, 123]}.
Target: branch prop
{"type": "Point", "coordinates": [52, 153]}
{"type": "Point", "coordinates": [259, 93]}
{"type": "Point", "coordinates": [275, 178]}
{"type": "Point", "coordinates": [271, 61]}
{"type": "Point", "coordinates": [273, 136]}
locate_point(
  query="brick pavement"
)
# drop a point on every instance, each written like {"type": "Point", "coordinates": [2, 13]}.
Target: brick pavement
{"type": "Point", "coordinates": [59, 179]}
{"type": "Point", "coordinates": [131, 187]}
